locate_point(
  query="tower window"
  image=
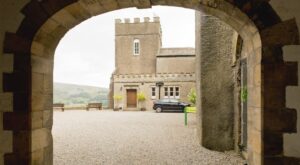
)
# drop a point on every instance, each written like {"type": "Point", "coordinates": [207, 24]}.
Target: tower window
{"type": "Point", "coordinates": [136, 47]}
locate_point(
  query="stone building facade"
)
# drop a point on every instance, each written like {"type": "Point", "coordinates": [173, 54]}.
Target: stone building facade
{"type": "Point", "coordinates": [143, 66]}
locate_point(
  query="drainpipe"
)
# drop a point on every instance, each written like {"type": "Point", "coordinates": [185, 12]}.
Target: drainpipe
{"type": "Point", "coordinates": [159, 92]}
{"type": "Point", "coordinates": [159, 84]}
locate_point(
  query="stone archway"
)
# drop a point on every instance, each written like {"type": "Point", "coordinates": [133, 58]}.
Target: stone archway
{"type": "Point", "coordinates": [47, 21]}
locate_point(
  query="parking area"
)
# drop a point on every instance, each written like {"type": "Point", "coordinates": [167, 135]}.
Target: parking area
{"type": "Point", "coordinates": [108, 137]}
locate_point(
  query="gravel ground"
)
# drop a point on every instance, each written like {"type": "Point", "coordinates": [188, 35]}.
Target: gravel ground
{"type": "Point", "coordinates": [107, 137]}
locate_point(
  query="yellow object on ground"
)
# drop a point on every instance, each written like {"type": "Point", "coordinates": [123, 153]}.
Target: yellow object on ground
{"type": "Point", "coordinates": [188, 110]}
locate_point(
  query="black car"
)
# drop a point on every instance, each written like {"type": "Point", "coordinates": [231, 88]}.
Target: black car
{"type": "Point", "coordinates": [169, 105]}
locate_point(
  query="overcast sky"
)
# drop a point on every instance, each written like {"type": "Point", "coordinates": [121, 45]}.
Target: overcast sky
{"type": "Point", "coordinates": [86, 53]}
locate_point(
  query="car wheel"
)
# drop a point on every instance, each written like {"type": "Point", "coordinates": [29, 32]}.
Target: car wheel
{"type": "Point", "coordinates": [158, 109]}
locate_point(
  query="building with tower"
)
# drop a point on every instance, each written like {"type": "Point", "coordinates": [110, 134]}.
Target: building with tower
{"type": "Point", "coordinates": [143, 66]}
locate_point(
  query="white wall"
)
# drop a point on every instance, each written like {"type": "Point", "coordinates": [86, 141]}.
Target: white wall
{"type": "Point", "coordinates": [288, 9]}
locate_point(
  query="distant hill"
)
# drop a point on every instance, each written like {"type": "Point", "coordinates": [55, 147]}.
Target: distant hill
{"type": "Point", "coordinates": [71, 94]}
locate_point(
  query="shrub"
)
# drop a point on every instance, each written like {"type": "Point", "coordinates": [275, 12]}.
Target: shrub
{"type": "Point", "coordinates": [141, 96]}
{"type": "Point", "coordinates": [118, 97]}
{"type": "Point", "coordinates": [244, 94]}
{"type": "Point", "coordinates": [192, 96]}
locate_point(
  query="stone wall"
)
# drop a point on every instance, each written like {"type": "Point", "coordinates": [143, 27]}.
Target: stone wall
{"type": "Point", "coordinates": [177, 64]}
{"type": "Point", "coordinates": [291, 140]}
{"type": "Point", "coordinates": [217, 48]}
{"type": "Point", "coordinates": [175, 77]}
{"type": "Point", "coordinates": [288, 9]}
{"type": "Point", "coordinates": [149, 35]}
{"type": "Point", "coordinates": [145, 87]}
{"type": "Point", "coordinates": [10, 21]}
{"type": "Point", "coordinates": [144, 82]}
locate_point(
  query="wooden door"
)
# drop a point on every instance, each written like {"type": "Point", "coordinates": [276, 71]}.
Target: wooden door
{"type": "Point", "coordinates": [131, 98]}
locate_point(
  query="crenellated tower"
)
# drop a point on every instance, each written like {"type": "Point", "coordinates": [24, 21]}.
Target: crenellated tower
{"type": "Point", "coordinates": [136, 45]}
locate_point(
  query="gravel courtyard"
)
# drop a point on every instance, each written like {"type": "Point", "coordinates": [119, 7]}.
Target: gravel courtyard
{"type": "Point", "coordinates": [107, 137]}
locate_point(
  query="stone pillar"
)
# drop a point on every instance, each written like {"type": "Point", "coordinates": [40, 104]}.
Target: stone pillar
{"type": "Point", "coordinates": [276, 75]}
{"type": "Point", "coordinates": [278, 119]}
{"type": "Point", "coordinates": [214, 51]}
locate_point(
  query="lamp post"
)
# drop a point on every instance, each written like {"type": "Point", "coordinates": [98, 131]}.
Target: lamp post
{"type": "Point", "coordinates": [159, 84]}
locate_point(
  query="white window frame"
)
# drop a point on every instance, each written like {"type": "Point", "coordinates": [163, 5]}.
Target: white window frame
{"type": "Point", "coordinates": [136, 47]}
{"type": "Point", "coordinates": [166, 92]}
{"type": "Point", "coordinates": [177, 92]}
{"type": "Point", "coordinates": [153, 92]}
{"type": "Point", "coordinates": [171, 92]}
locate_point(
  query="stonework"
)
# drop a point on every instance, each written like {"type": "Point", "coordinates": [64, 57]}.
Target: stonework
{"type": "Point", "coordinates": [217, 48]}
{"type": "Point", "coordinates": [34, 28]}
{"type": "Point", "coordinates": [145, 83]}
{"type": "Point", "coordinates": [176, 60]}
{"type": "Point", "coordinates": [149, 36]}
{"type": "Point", "coordinates": [291, 146]}
{"type": "Point", "coordinates": [174, 67]}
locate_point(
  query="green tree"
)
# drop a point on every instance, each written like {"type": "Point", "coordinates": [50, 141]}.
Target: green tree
{"type": "Point", "coordinates": [192, 96]}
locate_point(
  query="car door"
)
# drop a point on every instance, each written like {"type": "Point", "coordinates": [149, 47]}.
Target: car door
{"type": "Point", "coordinates": [164, 104]}
{"type": "Point", "coordinates": [167, 105]}
{"type": "Point", "coordinates": [174, 105]}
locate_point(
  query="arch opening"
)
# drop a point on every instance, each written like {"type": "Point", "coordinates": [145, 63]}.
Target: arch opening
{"type": "Point", "coordinates": [241, 24]}
{"type": "Point", "coordinates": [259, 104]}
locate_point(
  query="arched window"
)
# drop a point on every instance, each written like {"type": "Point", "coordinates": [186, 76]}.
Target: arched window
{"type": "Point", "coordinates": [136, 47]}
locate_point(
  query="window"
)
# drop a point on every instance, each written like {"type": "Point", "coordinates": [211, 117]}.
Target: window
{"type": "Point", "coordinates": [177, 92]}
{"type": "Point", "coordinates": [153, 94]}
{"type": "Point", "coordinates": [171, 92]}
{"type": "Point", "coordinates": [166, 92]}
{"type": "Point", "coordinates": [136, 47]}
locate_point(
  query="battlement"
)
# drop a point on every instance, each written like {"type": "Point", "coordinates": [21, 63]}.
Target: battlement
{"type": "Point", "coordinates": [169, 77]}
{"type": "Point", "coordinates": [137, 20]}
